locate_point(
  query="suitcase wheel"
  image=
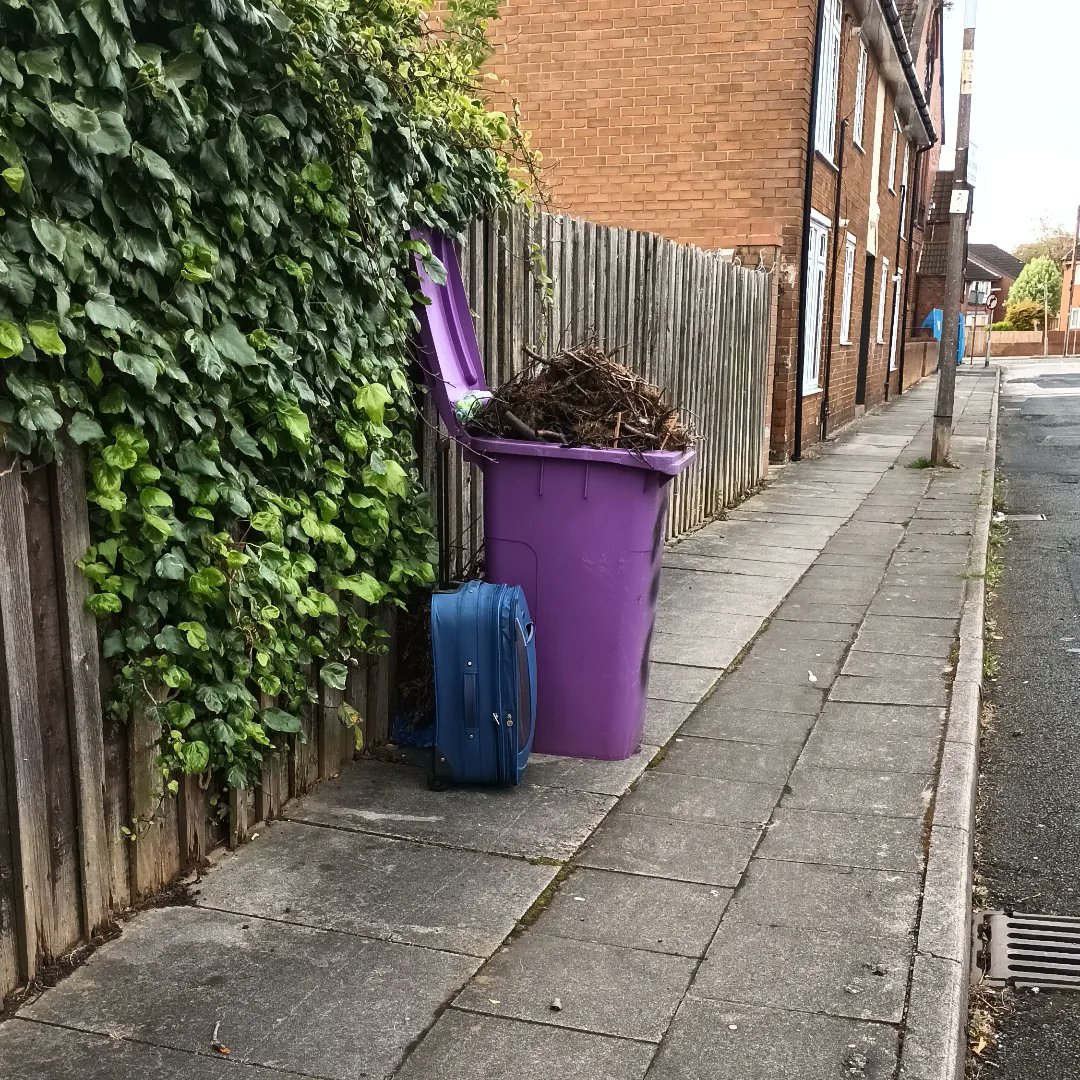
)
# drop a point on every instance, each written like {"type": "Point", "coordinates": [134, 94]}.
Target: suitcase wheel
{"type": "Point", "coordinates": [438, 783]}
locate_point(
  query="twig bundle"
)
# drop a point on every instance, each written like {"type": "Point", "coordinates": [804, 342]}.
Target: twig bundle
{"type": "Point", "coordinates": [581, 397]}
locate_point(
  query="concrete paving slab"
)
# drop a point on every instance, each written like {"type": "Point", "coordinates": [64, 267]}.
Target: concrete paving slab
{"type": "Point", "coordinates": [889, 665]}
{"type": "Point", "coordinates": [680, 682]}
{"type": "Point", "coordinates": [902, 624]}
{"type": "Point", "coordinates": [391, 800]}
{"type": "Point", "coordinates": [777, 666]}
{"type": "Point", "coordinates": [903, 690]}
{"type": "Point", "coordinates": [734, 723]}
{"type": "Point", "coordinates": [946, 605]}
{"type": "Point", "coordinates": [855, 975]}
{"type": "Point", "coordinates": [664, 718]}
{"type": "Point", "coordinates": [30, 1051]}
{"type": "Point", "coordinates": [857, 559]}
{"type": "Point", "coordinates": [585, 774]}
{"type": "Point", "coordinates": [675, 616]}
{"type": "Point", "coordinates": [468, 1046]}
{"type": "Point", "coordinates": [695, 651]}
{"type": "Point", "coordinates": [824, 636]}
{"type": "Point", "coordinates": [876, 843]}
{"type": "Point", "coordinates": [926, 723]}
{"type": "Point", "coordinates": [752, 763]}
{"type": "Point", "coordinates": [812, 896]}
{"type": "Point", "coordinates": [176, 974]}
{"type": "Point", "coordinates": [848, 614]}
{"type": "Point", "coordinates": [709, 1040]}
{"type": "Point", "coordinates": [635, 912]}
{"type": "Point", "coordinates": [681, 850]}
{"type": "Point", "coordinates": [829, 749]}
{"type": "Point", "coordinates": [852, 791]}
{"type": "Point", "coordinates": [699, 798]}
{"type": "Point", "coordinates": [715, 546]}
{"type": "Point", "coordinates": [913, 642]}
{"type": "Point", "coordinates": [743, 691]}
{"type": "Point", "coordinates": [604, 989]}
{"type": "Point", "coordinates": [394, 890]}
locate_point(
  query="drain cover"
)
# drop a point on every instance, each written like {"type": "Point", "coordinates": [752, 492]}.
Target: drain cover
{"type": "Point", "coordinates": [998, 516]}
{"type": "Point", "coordinates": [1017, 949]}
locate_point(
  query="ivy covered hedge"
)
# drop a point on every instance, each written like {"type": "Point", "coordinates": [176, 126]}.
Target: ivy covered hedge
{"type": "Point", "coordinates": [204, 256]}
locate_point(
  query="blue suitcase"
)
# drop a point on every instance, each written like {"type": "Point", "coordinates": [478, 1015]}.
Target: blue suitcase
{"type": "Point", "coordinates": [485, 684]}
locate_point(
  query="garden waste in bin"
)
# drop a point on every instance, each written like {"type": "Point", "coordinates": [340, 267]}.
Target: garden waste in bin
{"type": "Point", "coordinates": [580, 530]}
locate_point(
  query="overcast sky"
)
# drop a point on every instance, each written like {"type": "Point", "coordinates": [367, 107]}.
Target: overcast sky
{"type": "Point", "coordinates": [1025, 124]}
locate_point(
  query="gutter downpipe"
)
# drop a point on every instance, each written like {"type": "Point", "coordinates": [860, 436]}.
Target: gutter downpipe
{"type": "Point", "coordinates": [804, 258]}
{"type": "Point", "coordinates": [832, 284]}
{"type": "Point", "coordinates": [936, 54]}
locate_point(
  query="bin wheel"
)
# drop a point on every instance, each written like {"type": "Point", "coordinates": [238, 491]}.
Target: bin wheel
{"type": "Point", "coordinates": [438, 783]}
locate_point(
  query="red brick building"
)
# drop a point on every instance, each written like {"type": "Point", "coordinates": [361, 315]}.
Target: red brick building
{"type": "Point", "coordinates": [791, 131]}
{"type": "Point", "coordinates": [1069, 312]}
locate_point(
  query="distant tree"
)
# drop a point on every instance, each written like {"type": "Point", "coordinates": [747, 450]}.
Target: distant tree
{"type": "Point", "coordinates": [1040, 278]}
{"type": "Point", "coordinates": [1025, 315]}
{"type": "Point", "coordinates": [1053, 242]}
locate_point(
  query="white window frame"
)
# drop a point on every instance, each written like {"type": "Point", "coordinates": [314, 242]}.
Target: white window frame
{"type": "Point", "coordinates": [828, 80]}
{"type": "Point", "coordinates": [905, 191]}
{"type": "Point", "coordinates": [882, 301]}
{"type": "Point", "coordinates": [892, 153]}
{"type": "Point", "coordinates": [861, 79]}
{"type": "Point", "coordinates": [979, 292]}
{"type": "Point", "coordinates": [814, 300]}
{"type": "Point", "coordinates": [1074, 318]}
{"type": "Point", "coordinates": [898, 285]}
{"type": "Point", "coordinates": [849, 286]}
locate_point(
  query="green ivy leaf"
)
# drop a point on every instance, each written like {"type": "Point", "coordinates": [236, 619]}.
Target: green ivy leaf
{"type": "Point", "coordinates": [104, 603]}
{"type": "Point", "coordinates": [11, 342]}
{"type": "Point", "coordinates": [195, 634]}
{"type": "Point", "coordinates": [279, 720]}
{"type": "Point", "coordinates": [76, 117]}
{"type": "Point", "coordinates": [194, 756]}
{"type": "Point", "coordinates": [318, 174]}
{"type": "Point", "coordinates": [334, 675]}
{"type": "Point", "coordinates": [84, 429]}
{"type": "Point", "coordinates": [373, 399]}
{"type": "Point", "coordinates": [293, 419]}
{"type": "Point", "coordinates": [14, 177]}
{"type": "Point", "coordinates": [46, 338]}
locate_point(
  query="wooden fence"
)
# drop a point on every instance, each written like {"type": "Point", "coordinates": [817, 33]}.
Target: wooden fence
{"type": "Point", "coordinates": [86, 828]}
{"type": "Point", "coordinates": [687, 319]}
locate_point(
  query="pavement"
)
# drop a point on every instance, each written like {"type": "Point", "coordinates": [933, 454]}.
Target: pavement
{"type": "Point", "coordinates": [777, 885]}
{"type": "Point", "coordinates": [1029, 808]}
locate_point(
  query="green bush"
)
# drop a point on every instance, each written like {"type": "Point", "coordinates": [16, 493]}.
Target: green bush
{"type": "Point", "coordinates": [204, 256]}
{"type": "Point", "coordinates": [1005, 326]}
{"type": "Point", "coordinates": [1025, 315]}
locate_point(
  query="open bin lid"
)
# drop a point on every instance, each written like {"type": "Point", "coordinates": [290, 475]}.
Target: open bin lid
{"type": "Point", "coordinates": [449, 353]}
{"type": "Point", "coordinates": [450, 358]}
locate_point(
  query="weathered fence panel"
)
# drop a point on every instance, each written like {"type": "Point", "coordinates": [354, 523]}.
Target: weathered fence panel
{"type": "Point", "coordinates": [685, 318]}
{"type": "Point", "coordinates": [87, 827]}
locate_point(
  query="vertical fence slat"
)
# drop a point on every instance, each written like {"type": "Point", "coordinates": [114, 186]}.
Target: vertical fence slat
{"type": "Point", "coordinates": [83, 678]}
{"type": "Point", "coordinates": [20, 729]}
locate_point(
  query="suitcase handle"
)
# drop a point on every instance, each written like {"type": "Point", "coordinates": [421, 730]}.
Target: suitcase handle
{"type": "Point", "coordinates": [472, 721]}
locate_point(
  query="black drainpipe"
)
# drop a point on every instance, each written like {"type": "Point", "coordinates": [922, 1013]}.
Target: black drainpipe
{"type": "Point", "coordinates": [934, 55]}
{"type": "Point", "coordinates": [897, 328]}
{"type": "Point", "coordinates": [804, 262]}
{"type": "Point", "coordinates": [832, 288]}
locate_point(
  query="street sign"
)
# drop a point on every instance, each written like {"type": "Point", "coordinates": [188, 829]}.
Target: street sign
{"type": "Point", "coordinates": [991, 303]}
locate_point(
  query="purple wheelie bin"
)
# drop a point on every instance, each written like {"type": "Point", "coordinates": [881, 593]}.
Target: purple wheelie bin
{"type": "Point", "coordinates": [580, 530]}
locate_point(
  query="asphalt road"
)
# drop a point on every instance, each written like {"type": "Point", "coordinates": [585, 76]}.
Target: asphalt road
{"type": "Point", "coordinates": [1029, 813]}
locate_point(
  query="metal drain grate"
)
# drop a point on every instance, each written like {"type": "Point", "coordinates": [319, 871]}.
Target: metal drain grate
{"type": "Point", "coordinates": [1017, 949]}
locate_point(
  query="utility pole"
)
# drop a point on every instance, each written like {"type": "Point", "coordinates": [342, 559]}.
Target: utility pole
{"type": "Point", "coordinates": [1072, 289]}
{"type": "Point", "coordinates": [959, 215]}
